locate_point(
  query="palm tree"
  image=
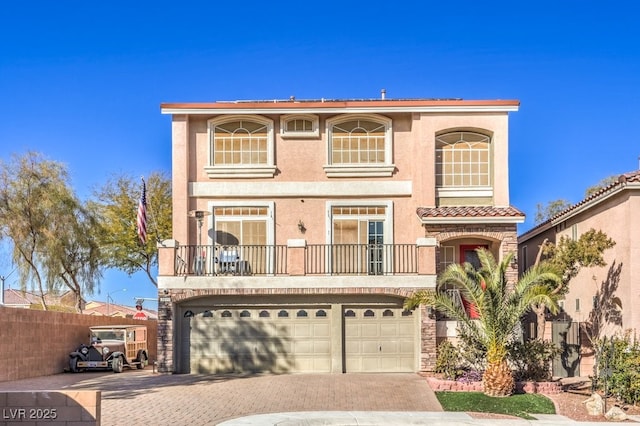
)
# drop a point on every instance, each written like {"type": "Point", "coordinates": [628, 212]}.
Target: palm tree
{"type": "Point", "coordinates": [499, 305]}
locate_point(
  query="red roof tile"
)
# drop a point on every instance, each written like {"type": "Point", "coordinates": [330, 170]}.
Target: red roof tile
{"type": "Point", "coordinates": [468, 211]}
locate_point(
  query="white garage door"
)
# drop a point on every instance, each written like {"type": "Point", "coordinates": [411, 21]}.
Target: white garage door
{"type": "Point", "coordinates": [259, 339]}
{"type": "Point", "coordinates": [379, 340]}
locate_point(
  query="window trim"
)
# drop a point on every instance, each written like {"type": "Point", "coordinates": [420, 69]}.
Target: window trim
{"type": "Point", "coordinates": [270, 205]}
{"type": "Point", "coordinates": [388, 217]}
{"type": "Point", "coordinates": [385, 169]}
{"type": "Point", "coordinates": [240, 170]}
{"type": "Point", "coordinates": [481, 191]}
{"type": "Point", "coordinates": [315, 123]}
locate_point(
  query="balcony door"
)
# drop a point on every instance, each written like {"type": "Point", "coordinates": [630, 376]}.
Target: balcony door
{"type": "Point", "coordinates": [243, 231]}
{"type": "Point", "coordinates": [358, 237]}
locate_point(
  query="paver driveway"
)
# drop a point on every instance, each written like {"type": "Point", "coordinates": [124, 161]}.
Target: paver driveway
{"type": "Point", "coordinates": [144, 397]}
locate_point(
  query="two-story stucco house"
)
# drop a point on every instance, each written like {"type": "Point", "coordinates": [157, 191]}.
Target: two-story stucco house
{"type": "Point", "coordinates": [601, 300]}
{"type": "Point", "coordinates": [300, 227]}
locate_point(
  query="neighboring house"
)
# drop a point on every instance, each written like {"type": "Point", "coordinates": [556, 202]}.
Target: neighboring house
{"type": "Point", "coordinates": [66, 302]}
{"type": "Point", "coordinates": [25, 299]}
{"type": "Point", "coordinates": [116, 310]}
{"type": "Point", "coordinates": [600, 300]}
{"type": "Point", "coordinates": [300, 227]}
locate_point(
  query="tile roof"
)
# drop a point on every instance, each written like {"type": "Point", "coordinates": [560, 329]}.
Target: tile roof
{"type": "Point", "coordinates": [468, 211]}
{"type": "Point", "coordinates": [623, 180]}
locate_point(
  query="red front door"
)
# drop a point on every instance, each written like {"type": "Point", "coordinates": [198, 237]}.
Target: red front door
{"type": "Point", "coordinates": [468, 254]}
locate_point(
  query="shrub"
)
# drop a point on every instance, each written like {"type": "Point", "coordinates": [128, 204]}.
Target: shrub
{"type": "Point", "coordinates": [531, 360]}
{"type": "Point", "coordinates": [619, 365]}
{"type": "Point", "coordinates": [448, 360]}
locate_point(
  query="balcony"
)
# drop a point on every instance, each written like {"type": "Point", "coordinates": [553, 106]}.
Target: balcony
{"type": "Point", "coordinates": [317, 259]}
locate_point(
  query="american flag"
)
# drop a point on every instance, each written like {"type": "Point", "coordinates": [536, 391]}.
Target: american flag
{"type": "Point", "coordinates": [142, 215]}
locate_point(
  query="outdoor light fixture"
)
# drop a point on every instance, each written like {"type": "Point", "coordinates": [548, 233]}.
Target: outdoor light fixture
{"type": "Point", "coordinates": [431, 312]}
{"type": "Point", "coordinates": [301, 226]}
{"type": "Point", "coordinates": [199, 215]}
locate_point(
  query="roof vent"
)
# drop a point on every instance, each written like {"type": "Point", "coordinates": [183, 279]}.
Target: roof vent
{"type": "Point", "coordinates": [383, 94]}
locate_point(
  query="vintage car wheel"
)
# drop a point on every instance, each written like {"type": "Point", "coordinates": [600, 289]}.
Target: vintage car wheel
{"type": "Point", "coordinates": [142, 361]}
{"type": "Point", "coordinates": [73, 365]}
{"type": "Point", "coordinates": [117, 364]}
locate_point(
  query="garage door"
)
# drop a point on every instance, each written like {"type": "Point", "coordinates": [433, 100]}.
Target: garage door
{"type": "Point", "coordinates": [260, 339]}
{"type": "Point", "coordinates": [379, 340]}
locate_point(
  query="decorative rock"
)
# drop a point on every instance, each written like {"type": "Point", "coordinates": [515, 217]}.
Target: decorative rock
{"type": "Point", "coordinates": [594, 405]}
{"type": "Point", "coordinates": [616, 414]}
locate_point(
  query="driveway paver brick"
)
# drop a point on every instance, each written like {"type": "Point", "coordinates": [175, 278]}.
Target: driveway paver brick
{"type": "Point", "coordinates": [145, 397]}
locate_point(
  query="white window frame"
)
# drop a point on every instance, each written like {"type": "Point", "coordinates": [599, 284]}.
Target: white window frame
{"type": "Point", "coordinates": [270, 205]}
{"type": "Point", "coordinates": [388, 217]}
{"type": "Point", "coordinates": [315, 127]}
{"type": "Point", "coordinates": [240, 170]}
{"type": "Point", "coordinates": [385, 169]}
{"type": "Point", "coordinates": [468, 191]}
{"type": "Point", "coordinates": [387, 237]}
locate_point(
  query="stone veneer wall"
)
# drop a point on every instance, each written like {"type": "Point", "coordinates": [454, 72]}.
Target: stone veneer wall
{"type": "Point", "coordinates": [547, 388]}
{"type": "Point", "coordinates": [505, 234]}
{"type": "Point", "coordinates": [55, 335]}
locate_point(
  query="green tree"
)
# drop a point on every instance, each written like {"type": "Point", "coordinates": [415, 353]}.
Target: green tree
{"type": "Point", "coordinates": [115, 206]}
{"type": "Point", "coordinates": [547, 211]}
{"type": "Point", "coordinates": [568, 257]}
{"type": "Point", "coordinates": [40, 215]}
{"type": "Point", "coordinates": [73, 252]}
{"type": "Point", "coordinates": [500, 306]}
{"type": "Point", "coordinates": [600, 185]}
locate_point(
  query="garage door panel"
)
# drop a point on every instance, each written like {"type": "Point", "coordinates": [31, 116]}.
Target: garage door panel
{"type": "Point", "coordinates": [369, 329]}
{"type": "Point", "coordinates": [369, 347]}
{"type": "Point", "coordinates": [260, 340]}
{"type": "Point", "coordinates": [322, 330]}
{"type": "Point", "coordinates": [379, 340]}
{"type": "Point", "coordinates": [388, 330]}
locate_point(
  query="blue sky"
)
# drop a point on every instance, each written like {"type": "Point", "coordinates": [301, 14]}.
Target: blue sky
{"type": "Point", "coordinates": [82, 82]}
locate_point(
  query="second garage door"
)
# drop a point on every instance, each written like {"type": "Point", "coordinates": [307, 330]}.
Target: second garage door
{"type": "Point", "coordinates": [292, 339]}
{"type": "Point", "coordinates": [379, 340]}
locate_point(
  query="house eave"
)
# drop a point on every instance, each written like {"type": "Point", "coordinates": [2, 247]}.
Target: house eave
{"type": "Point", "coordinates": [458, 220]}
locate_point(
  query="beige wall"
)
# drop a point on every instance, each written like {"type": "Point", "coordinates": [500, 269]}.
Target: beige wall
{"type": "Point", "coordinates": [302, 160]}
{"type": "Point", "coordinates": [617, 218]}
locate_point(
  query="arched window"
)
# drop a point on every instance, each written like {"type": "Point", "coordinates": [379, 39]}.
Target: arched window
{"type": "Point", "coordinates": [359, 145]}
{"type": "Point", "coordinates": [245, 314]}
{"type": "Point", "coordinates": [463, 160]}
{"type": "Point", "coordinates": [299, 126]}
{"type": "Point", "coordinates": [240, 146]}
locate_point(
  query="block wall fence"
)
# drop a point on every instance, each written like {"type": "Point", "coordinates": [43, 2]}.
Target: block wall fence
{"type": "Point", "coordinates": [37, 343]}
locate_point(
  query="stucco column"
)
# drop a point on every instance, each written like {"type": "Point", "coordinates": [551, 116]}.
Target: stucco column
{"type": "Point", "coordinates": [426, 256]}
{"type": "Point", "coordinates": [336, 339]}
{"type": "Point", "coordinates": [295, 256]}
{"type": "Point", "coordinates": [167, 258]}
